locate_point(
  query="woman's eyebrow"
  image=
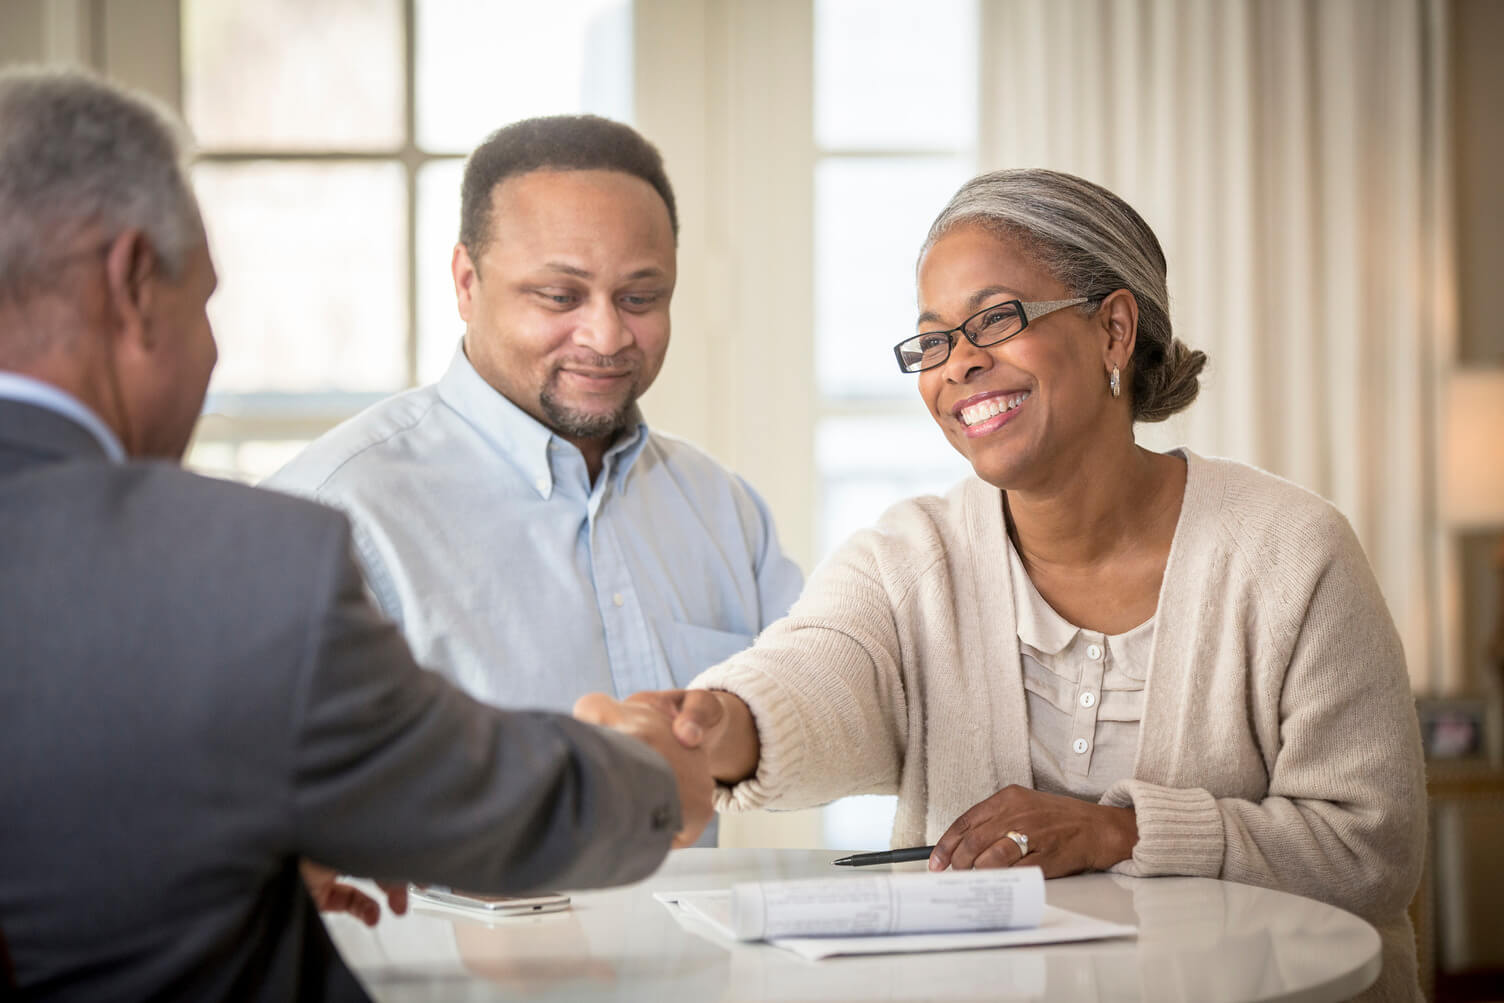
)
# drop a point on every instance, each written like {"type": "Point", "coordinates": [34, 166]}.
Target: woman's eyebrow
{"type": "Point", "coordinates": [973, 303]}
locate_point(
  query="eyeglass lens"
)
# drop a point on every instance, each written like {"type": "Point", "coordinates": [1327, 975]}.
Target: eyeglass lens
{"type": "Point", "coordinates": [987, 327]}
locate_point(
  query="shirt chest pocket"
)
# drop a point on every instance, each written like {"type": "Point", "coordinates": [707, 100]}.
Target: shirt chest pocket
{"type": "Point", "coordinates": [691, 649]}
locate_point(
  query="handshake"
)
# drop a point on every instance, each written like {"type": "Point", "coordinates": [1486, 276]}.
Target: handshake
{"type": "Point", "coordinates": [705, 735]}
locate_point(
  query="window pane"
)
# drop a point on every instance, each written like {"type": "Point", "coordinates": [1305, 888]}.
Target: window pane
{"type": "Point", "coordinates": [481, 65]}
{"type": "Point", "coordinates": [895, 76]}
{"type": "Point", "coordinates": [864, 822]}
{"type": "Point", "coordinates": [312, 275]}
{"type": "Point", "coordinates": [868, 463]}
{"type": "Point", "coordinates": [871, 215]}
{"type": "Point", "coordinates": [294, 75]}
{"type": "Point", "coordinates": [439, 324]}
{"type": "Point", "coordinates": [248, 462]}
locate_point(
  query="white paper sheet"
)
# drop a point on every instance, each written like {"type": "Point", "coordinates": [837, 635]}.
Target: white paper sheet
{"type": "Point", "coordinates": [712, 910]}
{"type": "Point", "coordinates": [888, 903]}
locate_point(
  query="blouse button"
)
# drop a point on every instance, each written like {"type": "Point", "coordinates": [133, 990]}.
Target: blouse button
{"type": "Point", "coordinates": [1079, 745]}
{"type": "Point", "coordinates": [1088, 699]}
{"type": "Point", "coordinates": [1094, 652]}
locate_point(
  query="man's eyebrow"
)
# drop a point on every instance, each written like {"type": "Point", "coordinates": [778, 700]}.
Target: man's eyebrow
{"type": "Point", "coordinates": [579, 273]}
{"type": "Point", "coordinates": [650, 272]}
{"type": "Point", "coordinates": [974, 303]}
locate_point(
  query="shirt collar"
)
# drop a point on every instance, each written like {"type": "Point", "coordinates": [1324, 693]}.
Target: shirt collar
{"type": "Point", "coordinates": [623, 453]}
{"type": "Point", "coordinates": [1039, 626]}
{"type": "Point", "coordinates": [1136, 647]}
{"type": "Point", "coordinates": [26, 390]}
{"type": "Point", "coordinates": [513, 432]}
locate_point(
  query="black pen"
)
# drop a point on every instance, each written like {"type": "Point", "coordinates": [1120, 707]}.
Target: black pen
{"type": "Point", "coordinates": [886, 856]}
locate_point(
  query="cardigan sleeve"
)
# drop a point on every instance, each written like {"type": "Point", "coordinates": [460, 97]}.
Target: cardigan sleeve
{"type": "Point", "coordinates": [1343, 818]}
{"type": "Point", "coordinates": [825, 688]}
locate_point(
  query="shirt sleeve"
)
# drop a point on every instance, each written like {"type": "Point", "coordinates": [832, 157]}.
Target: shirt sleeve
{"type": "Point", "coordinates": [1343, 817]}
{"type": "Point", "coordinates": [779, 579]}
{"type": "Point", "coordinates": [399, 775]}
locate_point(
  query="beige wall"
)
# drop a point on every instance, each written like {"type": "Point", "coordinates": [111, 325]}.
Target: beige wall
{"type": "Point", "coordinates": [20, 31]}
{"type": "Point", "coordinates": [1478, 132]}
{"type": "Point", "coordinates": [133, 42]}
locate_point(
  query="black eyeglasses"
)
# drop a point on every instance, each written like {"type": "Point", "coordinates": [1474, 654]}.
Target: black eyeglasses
{"type": "Point", "coordinates": [989, 326]}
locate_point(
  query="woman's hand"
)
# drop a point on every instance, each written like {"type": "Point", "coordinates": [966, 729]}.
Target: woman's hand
{"type": "Point", "coordinates": [691, 766]}
{"type": "Point", "coordinates": [714, 719]}
{"type": "Point", "coordinates": [1064, 835]}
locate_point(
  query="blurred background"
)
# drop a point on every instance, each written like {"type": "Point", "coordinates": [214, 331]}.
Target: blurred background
{"type": "Point", "coordinates": [1324, 176]}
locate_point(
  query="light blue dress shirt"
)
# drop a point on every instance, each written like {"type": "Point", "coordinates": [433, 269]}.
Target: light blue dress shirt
{"type": "Point", "coordinates": [15, 387]}
{"type": "Point", "coordinates": [511, 574]}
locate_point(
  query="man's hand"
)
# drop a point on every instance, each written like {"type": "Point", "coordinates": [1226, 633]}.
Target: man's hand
{"type": "Point", "coordinates": [648, 725]}
{"type": "Point", "coordinates": [332, 895]}
{"type": "Point", "coordinates": [1064, 835]}
{"type": "Point", "coordinates": [717, 721]}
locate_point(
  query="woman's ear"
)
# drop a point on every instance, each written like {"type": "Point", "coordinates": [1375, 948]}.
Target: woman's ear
{"type": "Point", "coordinates": [1118, 316]}
{"type": "Point", "coordinates": [130, 278]}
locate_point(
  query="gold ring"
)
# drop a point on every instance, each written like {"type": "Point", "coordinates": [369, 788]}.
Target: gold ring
{"type": "Point", "coordinates": [1020, 840]}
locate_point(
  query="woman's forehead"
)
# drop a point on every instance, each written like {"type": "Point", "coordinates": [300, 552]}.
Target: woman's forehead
{"type": "Point", "coordinates": [970, 264]}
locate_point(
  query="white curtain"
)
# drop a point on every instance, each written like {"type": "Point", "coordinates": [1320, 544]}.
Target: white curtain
{"type": "Point", "coordinates": [1288, 154]}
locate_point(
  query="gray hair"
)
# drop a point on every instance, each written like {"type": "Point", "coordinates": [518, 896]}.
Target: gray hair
{"type": "Point", "coordinates": [1094, 243]}
{"type": "Point", "coordinates": [77, 153]}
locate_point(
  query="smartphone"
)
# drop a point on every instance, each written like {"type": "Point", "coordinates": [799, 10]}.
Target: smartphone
{"type": "Point", "coordinates": [491, 905]}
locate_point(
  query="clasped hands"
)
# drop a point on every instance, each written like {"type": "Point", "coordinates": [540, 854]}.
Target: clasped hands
{"type": "Point", "coordinates": [1065, 835]}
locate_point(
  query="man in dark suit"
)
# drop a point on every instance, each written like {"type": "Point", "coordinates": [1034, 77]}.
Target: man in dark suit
{"type": "Point", "coordinates": [195, 693]}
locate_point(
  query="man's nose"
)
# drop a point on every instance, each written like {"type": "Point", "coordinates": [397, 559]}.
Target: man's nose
{"type": "Point", "coordinates": [602, 329]}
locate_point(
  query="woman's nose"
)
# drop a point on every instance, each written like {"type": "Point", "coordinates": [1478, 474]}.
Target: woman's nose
{"type": "Point", "coordinates": [965, 360]}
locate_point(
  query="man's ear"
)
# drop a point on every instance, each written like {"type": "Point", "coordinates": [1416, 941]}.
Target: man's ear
{"type": "Point", "coordinates": [1118, 316]}
{"type": "Point", "coordinates": [130, 267]}
{"type": "Point", "coordinates": [466, 276]}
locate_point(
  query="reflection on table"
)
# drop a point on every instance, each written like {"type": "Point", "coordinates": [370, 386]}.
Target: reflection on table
{"type": "Point", "coordinates": [1199, 939]}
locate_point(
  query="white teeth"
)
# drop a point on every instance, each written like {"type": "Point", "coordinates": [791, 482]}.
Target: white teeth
{"type": "Point", "coordinates": [991, 407]}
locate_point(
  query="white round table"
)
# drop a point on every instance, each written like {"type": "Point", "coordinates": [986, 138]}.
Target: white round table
{"type": "Point", "coordinates": [1198, 940]}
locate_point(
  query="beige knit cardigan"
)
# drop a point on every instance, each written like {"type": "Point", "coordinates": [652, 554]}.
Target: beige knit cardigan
{"type": "Point", "coordinates": [1278, 746]}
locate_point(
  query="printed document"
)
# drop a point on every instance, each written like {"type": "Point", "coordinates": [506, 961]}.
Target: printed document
{"type": "Point", "coordinates": [892, 913]}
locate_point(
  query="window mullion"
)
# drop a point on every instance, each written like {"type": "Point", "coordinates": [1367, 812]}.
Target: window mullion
{"type": "Point", "coordinates": [412, 160]}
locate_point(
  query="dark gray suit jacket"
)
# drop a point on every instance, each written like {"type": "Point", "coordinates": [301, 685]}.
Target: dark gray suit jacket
{"type": "Point", "coordinates": [195, 692]}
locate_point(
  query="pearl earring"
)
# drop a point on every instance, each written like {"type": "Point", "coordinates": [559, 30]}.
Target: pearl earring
{"type": "Point", "coordinates": [1114, 383]}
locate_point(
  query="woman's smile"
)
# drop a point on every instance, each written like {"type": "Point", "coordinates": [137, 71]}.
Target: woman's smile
{"type": "Point", "coordinates": [982, 414]}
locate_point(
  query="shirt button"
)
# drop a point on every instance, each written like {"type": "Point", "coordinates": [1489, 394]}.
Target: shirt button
{"type": "Point", "coordinates": [541, 483]}
{"type": "Point", "coordinates": [618, 599]}
{"type": "Point", "coordinates": [1088, 699]}
{"type": "Point", "coordinates": [1094, 652]}
{"type": "Point", "coordinates": [1079, 745]}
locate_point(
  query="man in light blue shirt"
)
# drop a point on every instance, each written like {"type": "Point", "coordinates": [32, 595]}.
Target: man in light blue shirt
{"type": "Point", "coordinates": [532, 536]}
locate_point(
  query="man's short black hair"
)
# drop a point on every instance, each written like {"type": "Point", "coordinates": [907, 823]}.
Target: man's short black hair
{"type": "Point", "coordinates": [560, 143]}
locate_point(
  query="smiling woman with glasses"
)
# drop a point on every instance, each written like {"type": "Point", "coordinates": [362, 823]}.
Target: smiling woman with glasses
{"type": "Point", "coordinates": [1090, 656]}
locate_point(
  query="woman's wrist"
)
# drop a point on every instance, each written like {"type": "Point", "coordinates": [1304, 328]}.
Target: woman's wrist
{"type": "Point", "coordinates": [735, 756]}
{"type": "Point", "coordinates": [1118, 837]}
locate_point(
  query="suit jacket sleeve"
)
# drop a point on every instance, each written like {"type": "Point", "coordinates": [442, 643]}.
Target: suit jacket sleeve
{"type": "Point", "coordinates": [397, 774]}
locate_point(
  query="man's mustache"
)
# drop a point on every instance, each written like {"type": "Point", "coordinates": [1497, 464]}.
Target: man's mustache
{"type": "Point", "coordinates": [590, 360]}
